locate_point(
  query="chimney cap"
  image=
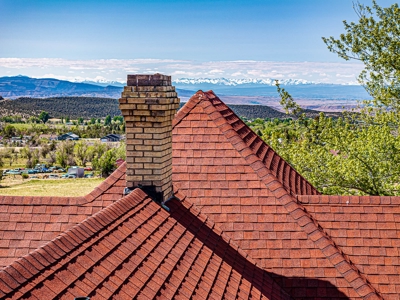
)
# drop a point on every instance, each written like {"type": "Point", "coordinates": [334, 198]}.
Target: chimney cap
{"type": "Point", "coordinates": [149, 80]}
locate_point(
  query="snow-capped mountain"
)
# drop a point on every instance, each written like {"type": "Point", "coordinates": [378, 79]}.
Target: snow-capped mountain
{"type": "Point", "coordinates": [103, 82]}
{"type": "Point", "coordinates": [22, 86]}
{"type": "Point", "coordinates": [213, 81]}
{"type": "Point", "coordinates": [235, 82]}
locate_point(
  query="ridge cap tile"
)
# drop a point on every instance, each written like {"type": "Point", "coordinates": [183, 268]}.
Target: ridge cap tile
{"type": "Point", "coordinates": [32, 261]}
{"type": "Point", "coordinates": [8, 280]}
{"type": "Point", "coordinates": [17, 276]}
{"type": "Point", "coordinates": [189, 105]}
{"type": "Point", "coordinates": [31, 269]}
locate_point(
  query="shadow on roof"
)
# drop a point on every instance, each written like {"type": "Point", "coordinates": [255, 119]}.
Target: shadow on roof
{"type": "Point", "coordinates": [268, 283]}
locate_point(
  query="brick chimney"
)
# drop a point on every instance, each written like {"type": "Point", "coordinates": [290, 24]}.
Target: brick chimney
{"type": "Point", "coordinates": [148, 104]}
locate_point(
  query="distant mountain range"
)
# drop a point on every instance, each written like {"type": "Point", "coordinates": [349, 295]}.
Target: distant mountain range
{"type": "Point", "coordinates": [215, 81]}
{"type": "Point", "coordinates": [23, 86]}
{"type": "Point", "coordinates": [236, 82]}
{"type": "Point", "coordinates": [298, 88]}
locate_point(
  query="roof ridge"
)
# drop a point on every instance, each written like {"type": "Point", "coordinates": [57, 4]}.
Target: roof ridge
{"type": "Point", "coordinates": [185, 110]}
{"type": "Point", "coordinates": [37, 263]}
{"type": "Point", "coordinates": [247, 143]}
{"type": "Point", "coordinates": [217, 230]}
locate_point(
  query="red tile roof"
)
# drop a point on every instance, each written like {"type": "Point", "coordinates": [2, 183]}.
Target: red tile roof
{"type": "Point", "coordinates": [366, 229]}
{"type": "Point", "coordinates": [27, 223]}
{"type": "Point", "coordinates": [135, 249]}
{"type": "Point", "coordinates": [255, 206]}
{"type": "Point", "coordinates": [205, 111]}
{"type": "Point", "coordinates": [246, 225]}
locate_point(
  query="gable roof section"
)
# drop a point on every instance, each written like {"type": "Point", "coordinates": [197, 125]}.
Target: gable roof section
{"type": "Point", "coordinates": [135, 249]}
{"type": "Point", "coordinates": [245, 141]}
{"type": "Point", "coordinates": [27, 223]}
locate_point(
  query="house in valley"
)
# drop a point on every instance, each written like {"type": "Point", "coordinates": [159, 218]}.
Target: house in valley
{"type": "Point", "coordinates": [111, 138]}
{"type": "Point", "coordinates": [70, 136]}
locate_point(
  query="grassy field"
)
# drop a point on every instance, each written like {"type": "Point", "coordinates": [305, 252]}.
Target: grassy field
{"type": "Point", "coordinates": [48, 187]}
{"type": "Point", "coordinates": [28, 126]}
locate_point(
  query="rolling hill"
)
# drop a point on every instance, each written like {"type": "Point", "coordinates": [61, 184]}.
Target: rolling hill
{"type": "Point", "coordinates": [91, 107]}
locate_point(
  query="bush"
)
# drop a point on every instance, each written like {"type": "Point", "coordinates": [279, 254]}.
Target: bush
{"type": "Point", "coordinates": [25, 176]}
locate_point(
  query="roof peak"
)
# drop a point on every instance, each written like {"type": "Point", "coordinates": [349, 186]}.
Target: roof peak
{"type": "Point", "coordinates": [237, 131]}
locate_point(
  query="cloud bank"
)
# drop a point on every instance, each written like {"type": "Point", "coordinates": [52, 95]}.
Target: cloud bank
{"type": "Point", "coordinates": [117, 69]}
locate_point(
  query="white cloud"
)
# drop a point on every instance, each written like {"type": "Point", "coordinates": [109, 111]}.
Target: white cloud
{"type": "Point", "coordinates": [216, 71]}
{"type": "Point", "coordinates": [115, 69]}
{"type": "Point", "coordinates": [346, 75]}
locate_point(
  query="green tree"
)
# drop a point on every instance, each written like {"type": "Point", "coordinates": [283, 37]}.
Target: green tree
{"type": "Point", "coordinates": [121, 151]}
{"type": "Point", "coordinates": [81, 152]}
{"type": "Point", "coordinates": [9, 131]}
{"type": "Point", "coordinates": [107, 120]}
{"type": "Point", "coordinates": [375, 41]}
{"type": "Point", "coordinates": [106, 163]}
{"type": "Point", "coordinates": [11, 155]}
{"type": "Point", "coordinates": [118, 118]}
{"type": "Point", "coordinates": [32, 158]}
{"type": "Point", "coordinates": [25, 152]}
{"type": "Point", "coordinates": [45, 150]}
{"type": "Point", "coordinates": [358, 153]}
{"type": "Point", "coordinates": [64, 153]}
{"type": "Point", "coordinates": [44, 116]}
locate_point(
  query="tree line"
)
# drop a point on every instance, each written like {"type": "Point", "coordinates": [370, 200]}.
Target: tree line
{"type": "Point", "coordinates": [58, 107]}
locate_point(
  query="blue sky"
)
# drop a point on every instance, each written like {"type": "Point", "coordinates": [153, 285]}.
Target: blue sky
{"type": "Point", "coordinates": [48, 36]}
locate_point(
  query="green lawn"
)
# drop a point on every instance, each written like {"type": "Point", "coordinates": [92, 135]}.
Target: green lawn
{"type": "Point", "coordinates": [24, 126]}
{"type": "Point", "coordinates": [49, 187]}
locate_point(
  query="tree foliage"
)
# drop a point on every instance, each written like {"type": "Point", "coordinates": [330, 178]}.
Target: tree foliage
{"type": "Point", "coordinates": [287, 102]}
{"type": "Point", "coordinates": [44, 117]}
{"type": "Point", "coordinates": [104, 159]}
{"type": "Point", "coordinates": [358, 153]}
{"type": "Point", "coordinates": [81, 152]}
{"type": "Point", "coordinates": [107, 120]}
{"type": "Point", "coordinates": [347, 155]}
{"type": "Point", "coordinates": [375, 41]}
{"type": "Point", "coordinates": [64, 153]}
